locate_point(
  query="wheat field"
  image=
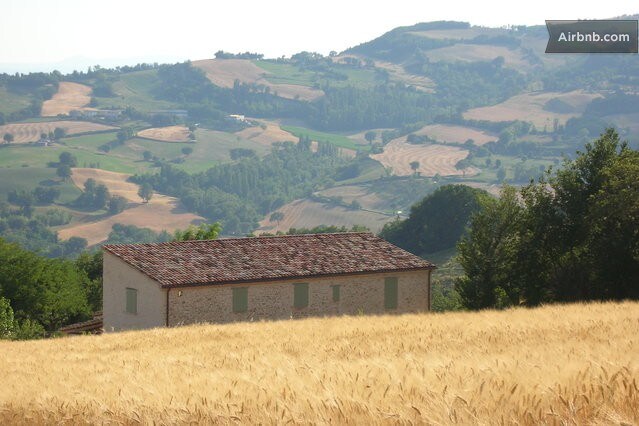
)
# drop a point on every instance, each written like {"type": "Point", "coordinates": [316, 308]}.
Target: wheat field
{"type": "Point", "coordinates": [573, 364]}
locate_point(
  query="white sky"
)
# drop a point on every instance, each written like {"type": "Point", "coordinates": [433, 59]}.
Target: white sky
{"type": "Point", "coordinates": [109, 32]}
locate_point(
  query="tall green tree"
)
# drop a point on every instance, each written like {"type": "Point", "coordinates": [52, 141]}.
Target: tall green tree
{"type": "Point", "coordinates": [573, 235]}
{"type": "Point", "coordinates": [202, 232]}
{"type": "Point", "coordinates": [64, 171]}
{"type": "Point", "coordinates": [146, 192]}
{"type": "Point", "coordinates": [436, 222]}
{"type": "Point", "coordinates": [7, 321]}
{"type": "Point", "coordinates": [489, 252]}
{"type": "Point", "coordinates": [48, 291]}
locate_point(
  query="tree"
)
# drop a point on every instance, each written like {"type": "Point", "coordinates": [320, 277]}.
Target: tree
{"type": "Point", "coordinates": [147, 155]}
{"type": "Point", "coordinates": [489, 253]}
{"type": "Point", "coordinates": [90, 264]}
{"type": "Point", "coordinates": [68, 159]}
{"type": "Point", "coordinates": [59, 133]}
{"type": "Point", "coordinates": [117, 204]}
{"type": "Point", "coordinates": [8, 137]}
{"type": "Point", "coordinates": [571, 236]}
{"type": "Point", "coordinates": [46, 195]}
{"type": "Point", "coordinates": [414, 165]}
{"type": "Point", "coordinates": [146, 192]}
{"type": "Point", "coordinates": [64, 171]}
{"type": "Point", "coordinates": [613, 238]}
{"type": "Point", "coordinates": [277, 217]}
{"type": "Point", "coordinates": [89, 186]}
{"type": "Point", "coordinates": [74, 245]}
{"type": "Point", "coordinates": [201, 232]}
{"type": "Point", "coordinates": [187, 150]}
{"type": "Point", "coordinates": [501, 174]}
{"type": "Point", "coordinates": [437, 221]}
{"type": "Point", "coordinates": [48, 291]}
{"type": "Point", "coordinates": [124, 134]}
{"type": "Point", "coordinates": [370, 136]}
{"type": "Point", "coordinates": [7, 321]}
{"type": "Point", "coordinates": [101, 196]}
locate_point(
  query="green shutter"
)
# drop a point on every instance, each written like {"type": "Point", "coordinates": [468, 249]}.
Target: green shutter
{"type": "Point", "coordinates": [300, 295]}
{"type": "Point", "coordinates": [390, 293]}
{"type": "Point", "coordinates": [335, 293]}
{"type": "Point", "coordinates": [240, 299]}
{"type": "Point", "coordinates": [131, 301]}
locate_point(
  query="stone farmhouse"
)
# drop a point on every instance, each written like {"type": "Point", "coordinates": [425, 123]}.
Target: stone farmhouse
{"type": "Point", "coordinates": [260, 278]}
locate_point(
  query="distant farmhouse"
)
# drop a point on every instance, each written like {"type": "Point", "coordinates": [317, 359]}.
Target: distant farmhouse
{"type": "Point", "coordinates": [260, 278]}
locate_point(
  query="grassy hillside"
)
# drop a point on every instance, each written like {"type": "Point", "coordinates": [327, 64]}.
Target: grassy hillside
{"type": "Point", "coordinates": [573, 364]}
{"type": "Point", "coordinates": [29, 178]}
{"type": "Point", "coordinates": [337, 140]}
{"type": "Point", "coordinates": [136, 89]}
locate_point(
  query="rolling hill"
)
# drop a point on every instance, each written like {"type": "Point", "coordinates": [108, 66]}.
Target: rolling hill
{"type": "Point", "coordinates": [470, 104]}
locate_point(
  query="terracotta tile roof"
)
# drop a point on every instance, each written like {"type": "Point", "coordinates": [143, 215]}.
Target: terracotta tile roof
{"type": "Point", "coordinates": [251, 259]}
{"type": "Point", "coordinates": [92, 326]}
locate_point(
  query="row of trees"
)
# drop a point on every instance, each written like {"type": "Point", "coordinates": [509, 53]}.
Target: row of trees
{"type": "Point", "coordinates": [572, 235]}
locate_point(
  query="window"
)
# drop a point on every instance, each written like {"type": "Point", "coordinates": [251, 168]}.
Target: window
{"type": "Point", "coordinates": [131, 301]}
{"type": "Point", "coordinates": [390, 293]}
{"type": "Point", "coordinates": [300, 295]}
{"type": "Point", "coordinates": [335, 293]}
{"type": "Point", "coordinates": [240, 299]}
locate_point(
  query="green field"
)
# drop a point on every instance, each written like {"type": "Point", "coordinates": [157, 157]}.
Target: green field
{"type": "Point", "coordinates": [28, 178]}
{"type": "Point", "coordinates": [19, 156]}
{"type": "Point", "coordinates": [286, 73]}
{"type": "Point", "coordinates": [371, 170]}
{"type": "Point", "coordinates": [337, 140]}
{"type": "Point", "coordinates": [91, 142]}
{"type": "Point", "coordinates": [489, 174]}
{"type": "Point", "coordinates": [135, 89]}
{"type": "Point", "coordinates": [212, 147]}
{"type": "Point", "coordinates": [12, 102]}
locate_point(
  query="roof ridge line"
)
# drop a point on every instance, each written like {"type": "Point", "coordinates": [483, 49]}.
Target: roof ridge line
{"type": "Point", "coordinates": [247, 237]}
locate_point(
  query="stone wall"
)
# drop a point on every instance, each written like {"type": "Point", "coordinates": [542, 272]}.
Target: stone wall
{"type": "Point", "coordinates": [359, 294]}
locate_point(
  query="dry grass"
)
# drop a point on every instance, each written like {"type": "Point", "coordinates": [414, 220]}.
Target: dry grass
{"type": "Point", "coordinates": [166, 134]}
{"type": "Point", "coordinates": [161, 213]}
{"type": "Point", "coordinates": [30, 132]}
{"type": "Point", "coordinates": [114, 181]}
{"type": "Point", "coordinates": [398, 73]}
{"type": "Point", "coordinates": [456, 134]}
{"type": "Point", "coordinates": [459, 33]}
{"type": "Point", "coordinates": [309, 214]}
{"type": "Point", "coordinates": [433, 159]}
{"type": "Point", "coordinates": [574, 364]}
{"type": "Point", "coordinates": [478, 52]}
{"type": "Point", "coordinates": [530, 107]}
{"type": "Point", "coordinates": [365, 196]}
{"type": "Point", "coordinates": [70, 96]}
{"type": "Point", "coordinates": [224, 72]}
{"type": "Point", "coordinates": [268, 135]}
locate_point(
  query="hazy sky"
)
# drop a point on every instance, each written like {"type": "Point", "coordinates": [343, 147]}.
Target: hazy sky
{"type": "Point", "coordinates": [84, 32]}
